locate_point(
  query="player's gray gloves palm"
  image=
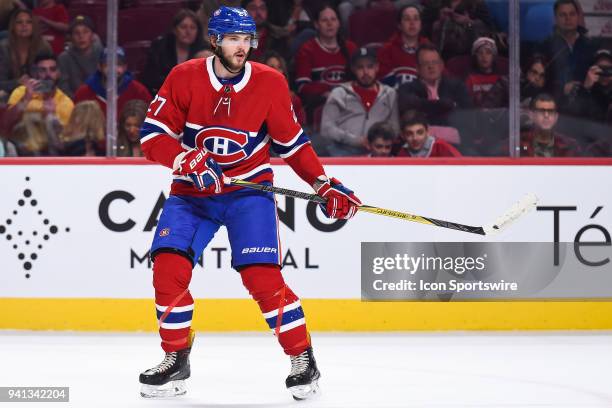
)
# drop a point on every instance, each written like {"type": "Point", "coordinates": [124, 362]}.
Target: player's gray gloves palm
{"type": "Point", "coordinates": [198, 165]}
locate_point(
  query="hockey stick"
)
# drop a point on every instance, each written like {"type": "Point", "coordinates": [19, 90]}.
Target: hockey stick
{"type": "Point", "coordinates": [526, 204]}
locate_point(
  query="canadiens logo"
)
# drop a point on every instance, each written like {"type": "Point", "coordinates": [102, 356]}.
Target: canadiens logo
{"type": "Point", "coordinates": [165, 232]}
{"type": "Point", "coordinates": [226, 145]}
{"type": "Point", "coordinates": [333, 74]}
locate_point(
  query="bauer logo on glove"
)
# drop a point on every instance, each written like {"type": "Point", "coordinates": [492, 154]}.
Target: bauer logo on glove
{"type": "Point", "coordinates": [341, 201]}
{"type": "Point", "coordinates": [202, 169]}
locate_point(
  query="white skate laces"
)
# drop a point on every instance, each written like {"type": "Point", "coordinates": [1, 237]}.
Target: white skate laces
{"type": "Point", "coordinates": [299, 363]}
{"type": "Point", "coordinates": [168, 362]}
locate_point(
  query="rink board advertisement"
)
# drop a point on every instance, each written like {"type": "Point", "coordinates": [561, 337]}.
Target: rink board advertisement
{"type": "Point", "coordinates": [83, 231]}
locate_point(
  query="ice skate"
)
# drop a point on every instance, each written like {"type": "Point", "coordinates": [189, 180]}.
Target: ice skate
{"type": "Point", "coordinates": [167, 379]}
{"type": "Point", "coordinates": [302, 382]}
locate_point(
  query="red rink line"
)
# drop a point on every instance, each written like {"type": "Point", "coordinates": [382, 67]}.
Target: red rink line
{"type": "Point", "coordinates": [369, 161]}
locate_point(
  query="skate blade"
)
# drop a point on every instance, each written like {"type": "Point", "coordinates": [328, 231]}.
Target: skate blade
{"type": "Point", "coordinates": [170, 389]}
{"type": "Point", "coordinates": [302, 392]}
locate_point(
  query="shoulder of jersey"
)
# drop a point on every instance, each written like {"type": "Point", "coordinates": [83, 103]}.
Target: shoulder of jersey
{"type": "Point", "coordinates": [192, 65]}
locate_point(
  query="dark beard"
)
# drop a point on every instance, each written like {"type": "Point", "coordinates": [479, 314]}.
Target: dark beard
{"type": "Point", "coordinates": [227, 64]}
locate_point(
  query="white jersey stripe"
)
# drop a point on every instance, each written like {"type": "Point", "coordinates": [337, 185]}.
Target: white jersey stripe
{"type": "Point", "coordinates": [287, 308]}
{"type": "Point", "coordinates": [175, 326]}
{"type": "Point", "coordinates": [176, 309]}
{"type": "Point", "coordinates": [292, 325]}
{"type": "Point", "coordinates": [163, 126]}
{"type": "Point", "coordinates": [292, 141]}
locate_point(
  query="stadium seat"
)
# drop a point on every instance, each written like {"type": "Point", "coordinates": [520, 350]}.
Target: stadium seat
{"type": "Point", "coordinates": [136, 54]}
{"type": "Point", "coordinates": [537, 23]}
{"type": "Point", "coordinates": [144, 23]}
{"type": "Point", "coordinates": [372, 25]}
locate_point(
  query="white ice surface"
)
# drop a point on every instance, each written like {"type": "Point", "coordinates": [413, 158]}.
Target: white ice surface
{"type": "Point", "coordinates": [438, 370]}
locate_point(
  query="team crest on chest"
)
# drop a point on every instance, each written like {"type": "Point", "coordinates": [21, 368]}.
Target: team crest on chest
{"type": "Point", "coordinates": [225, 144]}
{"type": "Point", "coordinates": [333, 75]}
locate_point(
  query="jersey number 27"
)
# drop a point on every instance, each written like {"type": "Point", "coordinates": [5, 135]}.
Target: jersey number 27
{"type": "Point", "coordinates": [162, 102]}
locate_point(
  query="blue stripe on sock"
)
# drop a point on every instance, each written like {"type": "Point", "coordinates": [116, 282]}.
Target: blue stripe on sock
{"type": "Point", "coordinates": [288, 317]}
{"type": "Point", "coordinates": [179, 317]}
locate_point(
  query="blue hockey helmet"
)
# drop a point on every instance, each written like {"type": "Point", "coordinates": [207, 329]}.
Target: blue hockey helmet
{"type": "Point", "coordinates": [234, 20]}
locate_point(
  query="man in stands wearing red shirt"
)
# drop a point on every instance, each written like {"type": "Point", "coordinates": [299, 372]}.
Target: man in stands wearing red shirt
{"type": "Point", "coordinates": [54, 22]}
{"type": "Point", "coordinates": [94, 89]}
{"type": "Point", "coordinates": [419, 143]}
{"type": "Point", "coordinates": [397, 57]}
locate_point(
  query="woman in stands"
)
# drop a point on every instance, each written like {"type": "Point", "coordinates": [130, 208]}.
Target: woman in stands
{"type": "Point", "coordinates": [84, 133]}
{"type": "Point", "coordinates": [17, 52]}
{"type": "Point", "coordinates": [174, 47]}
{"type": "Point", "coordinates": [533, 79]}
{"type": "Point", "coordinates": [128, 139]}
{"type": "Point", "coordinates": [321, 62]}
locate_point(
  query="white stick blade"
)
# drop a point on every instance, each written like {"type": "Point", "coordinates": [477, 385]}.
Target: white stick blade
{"type": "Point", "coordinates": [525, 205]}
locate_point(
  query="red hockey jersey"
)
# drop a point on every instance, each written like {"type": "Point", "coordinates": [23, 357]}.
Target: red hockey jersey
{"type": "Point", "coordinates": [237, 123]}
{"type": "Point", "coordinates": [398, 64]}
{"type": "Point", "coordinates": [319, 70]}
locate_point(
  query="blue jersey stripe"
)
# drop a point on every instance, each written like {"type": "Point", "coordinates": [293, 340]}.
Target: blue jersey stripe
{"type": "Point", "coordinates": [148, 128]}
{"type": "Point", "coordinates": [280, 149]}
{"type": "Point", "coordinates": [176, 317]}
{"type": "Point", "coordinates": [288, 317]}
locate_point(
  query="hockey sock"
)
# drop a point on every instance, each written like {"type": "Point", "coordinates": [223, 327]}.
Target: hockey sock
{"type": "Point", "coordinates": [174, 304]}
{"type": "Point", "coordinates": [280, 306]}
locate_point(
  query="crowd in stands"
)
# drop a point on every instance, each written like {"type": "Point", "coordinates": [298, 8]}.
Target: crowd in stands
{"type": "Point", "coordinates": [376, 78]}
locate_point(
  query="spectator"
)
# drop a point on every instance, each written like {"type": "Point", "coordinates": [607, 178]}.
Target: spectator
{"type": "Point", "coordinates": [130, 120]}
{"type": "Point", "coordinates": [542, 140]}
{"type": "Point", "coordinates": [321, 62]}
{"type": "Point", "coordinates": [84, 134]}
{"type": "Point", "coordinates": [54, 23]}
{"type": "Point", "coordinates": [454, 25]}
{"type": "Point", "coordinates": [568, 49]}
{"type": "Point", "coordinates": [533, 79]}
{"type": "Point", "coordinates": [481, 81]}
{"type": "Point", "coordinates": [41, 95]}
{"type": "Point", "coordinates": [174, 47]}
{"type": "Point", "coordinates": [276, 61]}
{"type": "Point", "coordinates": [432, 94]}
{"type": "Point", "coordinates": [17, 52]}
{"type": "Point", "coordinates": [80, 60]}
{"type": "Point", "coordinates": [94, 89]}
{"type": "Point", "coordinates": [381, 137]}
{"type": "Point", "coordinates": [31, 135]}
{"type": "Point", "coordinates": [419, 143]}
{"type": "Point", "coordinates": [398, 56]}
{"type": "Point", "coordinates": [353, 107]}
{"type": "Point", "coordinates": [593, 98]}
{"type": "Point", "coordinates": [591, 104]}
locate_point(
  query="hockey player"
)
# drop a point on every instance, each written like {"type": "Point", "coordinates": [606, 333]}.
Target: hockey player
{"type": "Point", "coordinates": [228, 113]}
